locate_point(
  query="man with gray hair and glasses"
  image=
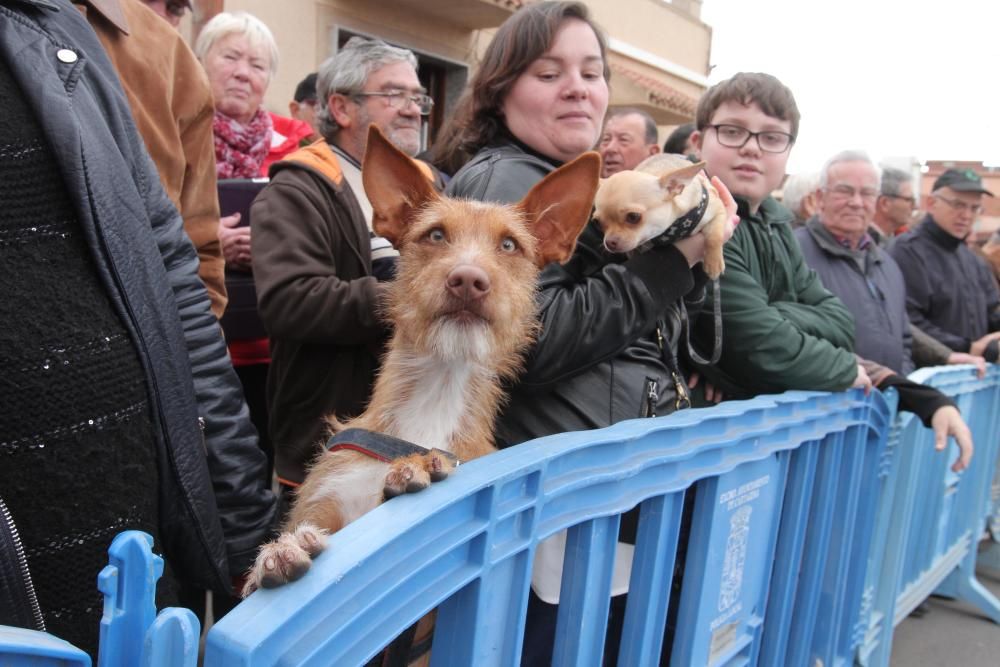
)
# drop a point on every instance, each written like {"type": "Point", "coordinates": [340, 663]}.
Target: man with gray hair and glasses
{"type": "Point", "coordinates": [318, 266]}
{"type": "Point", "coordinates": [837, 245]}
{"type": "Point", "coordinates": [894, 206]}
{"type": "Point", "coordinates": [950, 291]}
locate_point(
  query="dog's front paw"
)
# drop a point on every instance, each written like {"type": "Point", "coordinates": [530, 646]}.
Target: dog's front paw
{"type": "Point", "coordinates": [439, 464]}
{"type": "Point", "coordinates": [406, 475]}
{"type": "Point", "coordinates": [415, 473]}
{"type": "Point", "coordinates": [311, 538]}
{"type": "Point", "coordinates": [283, 560]}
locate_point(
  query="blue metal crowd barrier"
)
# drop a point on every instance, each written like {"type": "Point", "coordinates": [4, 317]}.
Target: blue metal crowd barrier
{"type": "Point", "coordinates": [466, 546]}
{"type": "Point", "coordinates": [131, 632]}
{"type": "Point", "coordinates": [930, 518]}
{"type": "Point", "coordinates": [800, 507]}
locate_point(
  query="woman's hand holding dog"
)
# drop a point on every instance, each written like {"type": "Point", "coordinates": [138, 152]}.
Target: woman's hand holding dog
{"type": "Point", "coordinates": [693, 247]}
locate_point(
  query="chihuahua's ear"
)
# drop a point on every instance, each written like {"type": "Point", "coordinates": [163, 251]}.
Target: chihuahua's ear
{"type": "Point", "coordinates": [675, 181]}
{"type": "Point", "coordinates": [397, 188]}
{"type": "Point", "coordinates": [559, 206]}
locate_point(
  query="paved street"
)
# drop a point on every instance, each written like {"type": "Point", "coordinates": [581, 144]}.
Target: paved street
{"type": "Point", "coordinates": [950, 633]}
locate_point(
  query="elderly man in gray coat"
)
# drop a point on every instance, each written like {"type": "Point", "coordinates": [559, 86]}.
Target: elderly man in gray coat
{"type": "Point", "coordinates": [836, 244]}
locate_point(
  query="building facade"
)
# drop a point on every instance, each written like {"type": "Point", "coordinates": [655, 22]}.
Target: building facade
{"type": "Point", "coordinates": [659, 50]}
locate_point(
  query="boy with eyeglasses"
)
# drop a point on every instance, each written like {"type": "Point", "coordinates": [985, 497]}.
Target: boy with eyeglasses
{"type": "Point", "coordinates": [950, 291]}
{"type": "Point", "coordinates": [781, 328]}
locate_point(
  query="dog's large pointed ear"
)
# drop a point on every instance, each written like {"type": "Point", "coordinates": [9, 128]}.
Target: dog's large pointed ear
{"type": "Point", "coordinates": [675, 181]}
{"type": "Point", "coordinates": [396, 186]}
{"type": "Point", "coordinates": [559, 206]}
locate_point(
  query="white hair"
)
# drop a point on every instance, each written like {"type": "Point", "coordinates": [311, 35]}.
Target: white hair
{"type": "Point", "coordinates": [847, 156]}
{"type": "Point", "coordinates": [238, 23]}
{"type": "Point", "coordinates": [797, 187]}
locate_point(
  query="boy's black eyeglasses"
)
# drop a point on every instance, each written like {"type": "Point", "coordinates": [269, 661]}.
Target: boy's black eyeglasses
{"type": "Point", "coordinates": [734, 136]}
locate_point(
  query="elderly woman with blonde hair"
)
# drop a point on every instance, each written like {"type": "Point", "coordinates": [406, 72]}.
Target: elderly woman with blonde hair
{"type": "Point", "coordinates": [240, 56]}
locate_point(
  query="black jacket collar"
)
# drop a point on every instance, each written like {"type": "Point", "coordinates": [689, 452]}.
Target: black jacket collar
{"type": "Point", "coordinates": [931, 229]}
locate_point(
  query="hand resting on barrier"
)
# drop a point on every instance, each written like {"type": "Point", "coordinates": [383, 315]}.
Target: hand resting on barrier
{"type": "Point", "coordinates": [958, 358]}
{"type": "Point", "coordinates": [934, 409]}
{"type": "Point", "coordinates": [948, 422]}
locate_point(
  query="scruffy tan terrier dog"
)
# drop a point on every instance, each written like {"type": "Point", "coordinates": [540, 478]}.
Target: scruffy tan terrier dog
{"type": "Point", "coordinates": [663, 199]}
{"type": "Point", "coordinates": [463, 310]}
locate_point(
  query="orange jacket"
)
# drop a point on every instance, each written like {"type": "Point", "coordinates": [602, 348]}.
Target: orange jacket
{"type": "Point", "coordinates": [171, 102]}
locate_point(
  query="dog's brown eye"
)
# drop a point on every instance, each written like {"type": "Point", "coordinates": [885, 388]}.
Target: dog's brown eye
{"type": "Point", "coordinates": [436, 235]}
{"type": "Point", "coordinates": [633, 218]}
{"type": "Point", "coordinates": [508, 245]}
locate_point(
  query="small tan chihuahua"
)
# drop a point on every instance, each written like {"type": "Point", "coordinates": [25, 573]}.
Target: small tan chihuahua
{"type": "Point", "coordinates": [664, 199]}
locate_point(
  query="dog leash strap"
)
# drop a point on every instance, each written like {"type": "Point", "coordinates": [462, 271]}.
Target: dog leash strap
{"type": "Point", "coordinates": [717, 324]}
{"type": "Point", "coordinates": [376, 445]}
{"type": "Point", "coordinates": [682, 398]}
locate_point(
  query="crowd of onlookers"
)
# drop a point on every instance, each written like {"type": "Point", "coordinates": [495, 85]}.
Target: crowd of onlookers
{"type": "Point", "coordinates": [125, 407]}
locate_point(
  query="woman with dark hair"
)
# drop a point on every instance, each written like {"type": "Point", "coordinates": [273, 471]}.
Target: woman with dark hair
{"type": "Point", "coordinates": [479, 120]}
{"type": "Point", "coordinates": [607, 346]}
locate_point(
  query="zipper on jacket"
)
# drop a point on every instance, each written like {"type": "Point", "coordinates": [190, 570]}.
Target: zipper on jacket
{"type": "Point", "coordinates": [651, 396]}
{"type": "Point", "coordinates": [683, 398]}
{"type": "Point", "coordinates": [22, 563]}
{"type": "Point", "coordinates": [201, 430]}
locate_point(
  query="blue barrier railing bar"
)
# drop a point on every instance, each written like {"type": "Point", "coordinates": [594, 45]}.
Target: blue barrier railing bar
{"type": "Point", "coordinates": [131, 631]}
{"type": "Point", "coordinates": [22, 648]}
{"type": "Point", "coordinates": [652, 572]}
{"type": "Point", "coordinates": [128, 583]}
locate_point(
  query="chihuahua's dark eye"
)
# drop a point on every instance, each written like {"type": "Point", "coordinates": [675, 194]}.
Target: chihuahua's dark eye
{"type": "Point", "coordinates": [436, 235]}
{"type": "Point", "coordinates": [508, 245]}
{"type": "Point", "coordinates": [633, 218]}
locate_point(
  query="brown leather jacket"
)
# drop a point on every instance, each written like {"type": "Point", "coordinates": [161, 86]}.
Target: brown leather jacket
{"type": "Point", "coordinates": [171, 102]}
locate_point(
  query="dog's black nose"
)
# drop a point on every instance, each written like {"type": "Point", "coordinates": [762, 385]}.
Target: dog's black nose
{"type": "Point", "coordinates": [468, 282]}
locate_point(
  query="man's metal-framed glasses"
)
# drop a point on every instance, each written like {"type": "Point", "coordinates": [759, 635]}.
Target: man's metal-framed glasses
{"type": "Point", "coordinates": [961, 206]}
{"type": "Point", "coordinates": [844, 191]}
{"type": "Point", "coordinates": [398, 99]}
{"type": "Point", "coordinates": [912, 201]}
{"type": "Point", "coordinates": [770, 141]}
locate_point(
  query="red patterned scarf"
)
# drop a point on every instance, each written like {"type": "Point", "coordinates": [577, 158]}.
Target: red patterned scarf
{"type": "Point", "coordinates": [240, 149]}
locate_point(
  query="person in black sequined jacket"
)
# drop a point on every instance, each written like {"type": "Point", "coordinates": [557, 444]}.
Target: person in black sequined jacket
{"type": "Point", "coordinates": [210, 508]}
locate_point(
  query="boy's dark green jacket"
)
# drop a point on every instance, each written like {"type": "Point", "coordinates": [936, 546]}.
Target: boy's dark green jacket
{"type": "Point", "coordinates": [781, 328]}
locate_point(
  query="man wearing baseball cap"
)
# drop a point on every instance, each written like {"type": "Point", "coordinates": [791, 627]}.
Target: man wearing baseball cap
{"type": "Point", "coordinates": [950, 292]}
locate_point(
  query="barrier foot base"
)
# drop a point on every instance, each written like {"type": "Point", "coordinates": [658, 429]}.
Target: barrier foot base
{"type": "Point", "coordinates": [963, 585]}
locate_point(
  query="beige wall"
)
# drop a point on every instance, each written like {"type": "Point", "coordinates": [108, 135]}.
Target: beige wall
{"type": "Point", "coordinates": [305, 30]}
{"type": "Point", "coordinates": [657, 27]}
